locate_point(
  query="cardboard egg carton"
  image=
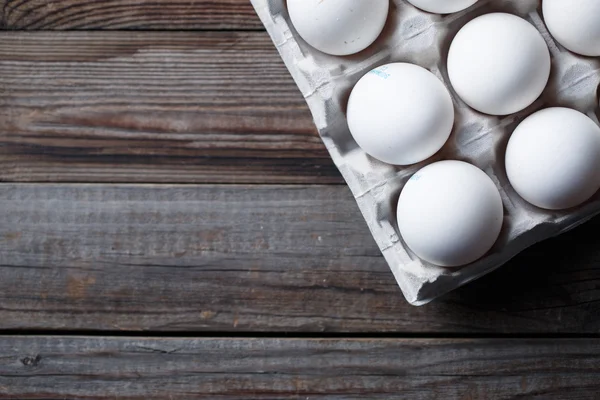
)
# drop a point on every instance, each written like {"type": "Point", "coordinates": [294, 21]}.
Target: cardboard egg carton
{"type": "Point", "coordinates": [422, 38]}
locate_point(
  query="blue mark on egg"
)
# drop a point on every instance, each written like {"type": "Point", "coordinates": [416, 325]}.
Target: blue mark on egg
{"type": "Point", "coordinates": [380, 72]}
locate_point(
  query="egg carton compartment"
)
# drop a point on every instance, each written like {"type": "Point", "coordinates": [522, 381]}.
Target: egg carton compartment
{"type": "Point", "coordinates": [421, 38]}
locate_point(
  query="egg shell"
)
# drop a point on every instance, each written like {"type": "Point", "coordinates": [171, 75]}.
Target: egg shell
{"type": "Point", "coordinates": [499, 64]}
{"type": "Point", "coordinates": [553, 158]}
{"type": "Point", "coordinates": [450, 213]}
{"type": "Point", "coordinates": [339, 27]}
{"type": "Point", "coordinates": [442, 6]}
{"type": "Point", "coordinates": [575, 24]}
{"type": "Point", "coordinates": [400, 113]}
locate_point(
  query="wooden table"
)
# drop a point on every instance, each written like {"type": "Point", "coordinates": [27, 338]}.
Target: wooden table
{"type": "Point", "coordinates": [172, 227]}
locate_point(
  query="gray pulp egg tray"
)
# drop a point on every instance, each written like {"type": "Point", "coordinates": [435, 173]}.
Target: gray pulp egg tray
{"type": "Point", "coordinates": [421, 38]}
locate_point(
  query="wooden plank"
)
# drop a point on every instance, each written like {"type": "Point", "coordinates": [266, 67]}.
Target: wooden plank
{"type": "Point", "coordinates": [128, 14]}
{"type": "Point", "coordinates": [145, 368]}
{"type": "Point", "coordinates": [254, 259]}
{"type": "Point", "coordinates": [153, 107]}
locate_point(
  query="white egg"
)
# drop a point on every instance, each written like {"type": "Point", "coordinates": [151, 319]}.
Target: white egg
{"type": "Point", "coordinates": [575, 24]}
{"type": "Point", "coordinates": [442, 6]}
{"type": "Point", "coordinates": [499, 64]}
{"type": "Point", "coordinates": [553, 158]}
{"type": "Point", "coordinates": [339, 27]}
{"type": "Point", "coordinates": [450, 213]}
{"type": "Point", "coordinates": [400, 113]}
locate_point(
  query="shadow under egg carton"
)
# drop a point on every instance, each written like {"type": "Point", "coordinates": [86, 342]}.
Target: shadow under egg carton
{"type": "Point", "coordinates": [421, 38]}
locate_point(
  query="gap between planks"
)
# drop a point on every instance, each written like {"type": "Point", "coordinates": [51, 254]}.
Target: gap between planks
{"type": "Point", "coordinates": [201, 335]}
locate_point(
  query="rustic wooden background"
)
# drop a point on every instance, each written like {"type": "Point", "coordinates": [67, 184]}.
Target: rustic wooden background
{"type": "Point", "coordinates": [172, 227]}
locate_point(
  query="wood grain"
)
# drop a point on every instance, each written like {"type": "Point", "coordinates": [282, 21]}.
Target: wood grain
{"type": "Point", "coordinates": [153, 107]}
{"type": "Point", "coordinates": [128, 14]}
{"type": "Point", "coordinates": [255, 259]}
{"type": "Point", "coordinates": [145, 368]}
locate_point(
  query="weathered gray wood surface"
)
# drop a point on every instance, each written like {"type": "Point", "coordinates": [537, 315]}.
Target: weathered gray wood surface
{"type": "Point", "coordinates": [254, 258]}
{"type": "Point", "coordinates": [136, 368]}
{"type": "Point", "coordinates": [214, 108]}
{"type": "Point", "coordinates": [168, 107]}
{"type": "Point", "coordinates": [127, 14]}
